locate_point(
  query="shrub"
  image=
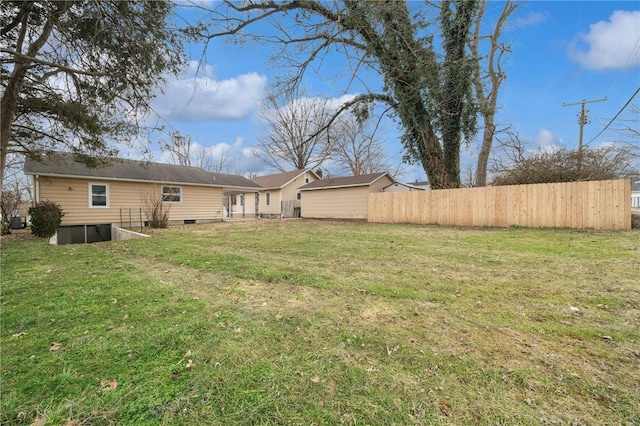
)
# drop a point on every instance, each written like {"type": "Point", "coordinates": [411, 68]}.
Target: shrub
{"type": "Point", "coordinates": [155, 210]}
{"type": "Point", "coordinates": [635, 220]}
{"type": "Point", "coordinates": [562, 165]}
{"type": "Point", "coordinates": [10, 201]}
{"type": "Point", "coordinates": [46, 217]}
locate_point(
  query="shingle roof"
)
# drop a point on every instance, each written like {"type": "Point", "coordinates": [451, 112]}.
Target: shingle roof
{"type": "Point", "coordinates": [277, 180]}
{"type": "Point", "coordinates": [63, 164]}
{"type": "Point", "coordinates": [341, 182]}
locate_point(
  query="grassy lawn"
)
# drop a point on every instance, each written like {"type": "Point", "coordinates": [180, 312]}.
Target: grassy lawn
{"type": "Point", "coordinates": [301, 322]}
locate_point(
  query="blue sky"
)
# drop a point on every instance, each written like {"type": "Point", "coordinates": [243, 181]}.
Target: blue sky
{"type": "Point", "coordinates": [562, 52]}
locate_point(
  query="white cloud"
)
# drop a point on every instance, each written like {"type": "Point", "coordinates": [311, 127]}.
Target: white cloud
{"type": "Point", "coordinates": [546, 141]}
{"type": "Point", "coordinates": [612, 44]}
{"type": "Point", "coordinates": [201, 97]}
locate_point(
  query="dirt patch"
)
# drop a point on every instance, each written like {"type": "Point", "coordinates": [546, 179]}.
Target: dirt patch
{"type": "Point", "coordinates": [19, 235]}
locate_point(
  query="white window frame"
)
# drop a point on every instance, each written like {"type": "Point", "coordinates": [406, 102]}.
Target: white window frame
{"type": "Point", "coordinates": [164, 194]}
{"type": "Point", "coordinates": [307, 177]}
{"type": "Point", "coordinates": [91, 205]}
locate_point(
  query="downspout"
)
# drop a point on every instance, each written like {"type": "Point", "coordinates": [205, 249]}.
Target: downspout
{"type": "Point", "coordinates": [36, 183]}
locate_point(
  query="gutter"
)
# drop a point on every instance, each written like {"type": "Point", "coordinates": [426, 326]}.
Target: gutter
{"type": "Point", "coordinates": [116, 179]}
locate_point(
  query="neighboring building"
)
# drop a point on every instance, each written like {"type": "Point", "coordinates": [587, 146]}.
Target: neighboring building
{"type": "Point", "coordinates": [635, 192]}
{"type": "Point", "coordinates": [342, 198]}
{"type": "Point", "coordinates": [421, 184]}
{"type": "Point", "coordinates": [401, 187]}
{"type": "Point", "coordinates": [280, 195]}
{"type": "Point", "coordinates": [118, 192]}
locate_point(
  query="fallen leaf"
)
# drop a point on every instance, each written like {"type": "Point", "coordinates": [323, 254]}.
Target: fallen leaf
{"type": "Point", "coordinates": [55, 346]}
{"type": "Point", "coordinates": [185, 356]}
{"type": "Point", "coordinates": [125, 316]}
{"type": "Point", "coordinates": [114, 301]}
{"type": "Point", "coordinates": [39, 422]}
{"type": "Point", "coordinates": [190, 364]}
{"type": "Point", "coordinates": [315, 379]}
{"type": "Point", "coordinates": [442, 404]}
{"type": "Point", "coordinates": [17, 335]}
{"type": "Point", "coordinates": [278, 317]}
{"type": "Point", "coordinates": [108, 385]}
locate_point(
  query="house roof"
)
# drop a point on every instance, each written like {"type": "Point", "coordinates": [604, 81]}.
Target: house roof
{"type": "Point", "coordinates": [344, 182]}
{"type": "Point", "coordinates": [63, 164]}
{"type": "Point", "coordinates": [408, 185]}
{"type": "Point", "coordinates": [279, 180]}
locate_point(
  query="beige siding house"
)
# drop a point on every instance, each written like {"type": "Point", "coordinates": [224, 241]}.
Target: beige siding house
{"type": "Point", "coordinates": [116, 193]}
{"type": "Point", "coordinates": [279, 195]}
{"type": "Point", "coordinates": [341, 198]}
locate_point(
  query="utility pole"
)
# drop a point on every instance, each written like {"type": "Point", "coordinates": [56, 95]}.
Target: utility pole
{"type": "Point", "coordinates": [582, 120]}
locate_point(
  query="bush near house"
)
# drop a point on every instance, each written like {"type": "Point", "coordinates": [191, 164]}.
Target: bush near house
{"type": "Point", "coordinates": [46, 217]}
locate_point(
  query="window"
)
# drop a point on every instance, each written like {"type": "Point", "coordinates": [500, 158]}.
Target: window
{"type": "Point", "coordinates": [171, 194]}
{"type": "Point", "coordinates": [268, 200]}
{"type": "Point", "coordinates": [99, 195]}
{"type": "Point", "coordinates": [298, 195]}
{"type": "Point", "coordinates": [306, 177]}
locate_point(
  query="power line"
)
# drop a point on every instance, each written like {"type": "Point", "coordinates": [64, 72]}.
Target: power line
{"type": "Point", "coordinates": [616, 116]}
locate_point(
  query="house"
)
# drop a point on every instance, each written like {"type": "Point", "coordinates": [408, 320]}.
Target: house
{"type": "Point", "coordinates": [280, 195]}
{"type": "Point", "coordinates": [342, 197]}
{"type": "Point", "coordinates": [401, 187]}
{"type": "Point", "coordinates": [421, 184]}
{"type": "Point", "coordinates": [120, 192]}
{"type": "Point", "coordinates": [635, 192]}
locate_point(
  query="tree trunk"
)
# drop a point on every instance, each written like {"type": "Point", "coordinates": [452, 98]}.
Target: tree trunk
{"type": "Point", "coordinates": [433, 163]}
{"type": "Point", "coordinates": [8, 106]}
{"type": "Point", "coordinates": [485, 151]}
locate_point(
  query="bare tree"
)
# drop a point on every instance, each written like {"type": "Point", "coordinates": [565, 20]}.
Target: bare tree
{"type": "Point", "coordinates": [356, 148]}
{"type": "Point", "coordinates": [487, 79]}
{"type": "Point", "coordinates": [10, 203]}
{"type": "Point", "coordinates": [185, 152]}
{"type": "Point", "coordinates": [16, 191]}
{"type": "Point", "coordinates": [629, 127]}
{"type": "Point", "coordinates": [179, 148]}
{"type": "Point", "coordinates": [428, 89]}
{"type": "Point", "coordinates": [294, 131]}
{"type": "Point", "coordinates": [627, 130]}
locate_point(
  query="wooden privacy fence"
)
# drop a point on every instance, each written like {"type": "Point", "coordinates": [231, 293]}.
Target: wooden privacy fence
{"type": "Point", "coordinates": [604, 204]}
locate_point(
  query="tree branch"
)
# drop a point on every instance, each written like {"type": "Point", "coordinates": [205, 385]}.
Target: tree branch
{"type": "Point", "coordinates": [60, 67]}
